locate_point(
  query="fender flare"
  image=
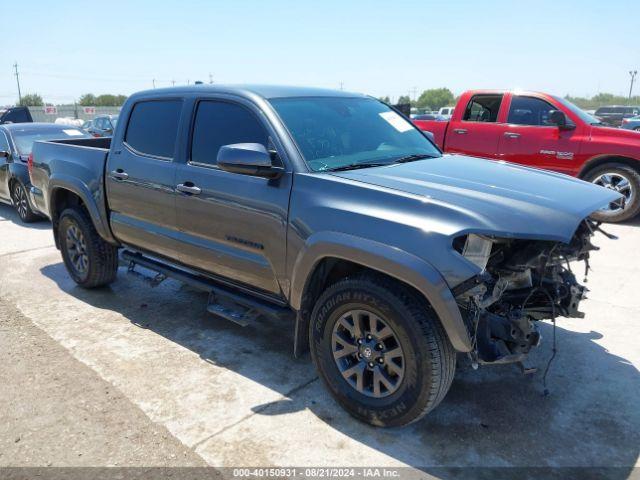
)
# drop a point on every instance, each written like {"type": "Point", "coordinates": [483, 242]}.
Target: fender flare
{"type": "Point", "coordinates": [75, 186]}
{"type": "Point", "coordinates": [389, 260]}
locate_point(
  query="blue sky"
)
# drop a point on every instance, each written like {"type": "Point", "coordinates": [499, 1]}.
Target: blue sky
{"type": "Point", "coordinates": [67, 48]}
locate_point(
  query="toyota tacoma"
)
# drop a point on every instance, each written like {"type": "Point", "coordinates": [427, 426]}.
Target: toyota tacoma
{"type": "Point", "coordinates": [332, 211]}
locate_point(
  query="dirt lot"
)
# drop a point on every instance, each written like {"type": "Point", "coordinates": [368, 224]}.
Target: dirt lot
{"type": "Point", "coordinates": [135, 375]}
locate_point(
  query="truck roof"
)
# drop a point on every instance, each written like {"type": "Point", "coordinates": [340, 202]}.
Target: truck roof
{"type": "Point", "coordinates": [264, 91]}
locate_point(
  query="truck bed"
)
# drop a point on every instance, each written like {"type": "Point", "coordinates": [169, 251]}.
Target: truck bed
{"type": "Point", "coordinates": [437, 129]}
{"type": "Point", "coordinates": [82, 160]}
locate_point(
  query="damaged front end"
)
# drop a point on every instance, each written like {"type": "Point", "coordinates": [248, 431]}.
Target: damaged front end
{"type": "Point", "coordinates": [522, 281]}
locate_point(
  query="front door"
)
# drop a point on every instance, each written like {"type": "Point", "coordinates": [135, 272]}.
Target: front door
{"type": "Point", "coordinates": [233, 225]}
{"type": "Point", "coordinates": [4, 168]}
{"type": "Point", "coordinates": [478, 132]}
{"type": "Point", "coordinates": [140, 178]}
{"type": "Point", "coordinates": [530, 139]}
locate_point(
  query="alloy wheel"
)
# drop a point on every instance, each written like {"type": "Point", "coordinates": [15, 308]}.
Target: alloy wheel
{"type": "Point", "coordinates": [368, 354]}
{"type": "Point", "coordinates": [77, 250]}
{"type": "Point", "coordinates": [619, 183]}
{"type": "Point", "coordinates": [20, 201]}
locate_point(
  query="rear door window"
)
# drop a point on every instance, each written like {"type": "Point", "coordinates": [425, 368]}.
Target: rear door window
{"type": "Point", "coordinates": [483, 108]}
{"type": "Point", "coordinates": [153, 127]}
{"type": "Point", "coordinates": [223, 123]}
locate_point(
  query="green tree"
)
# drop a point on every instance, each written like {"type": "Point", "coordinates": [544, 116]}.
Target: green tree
{"type": "Point", "coordinates": [385, 99]}
{"type": "Point", "coordinates": [435, 98]}
{"type": "Point", "coordinates": [88, 100]}
{"type": "Point", "coordinates": [31, 100]}
{"type": "Point", "coordinates": [404, 99]}
{"type": "Point", "coordinates": [105, 100]}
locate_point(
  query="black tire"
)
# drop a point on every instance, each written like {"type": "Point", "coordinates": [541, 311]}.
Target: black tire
{"type": "Point", "coordinates": [632, 176]}
{"type": "Point", "coordinates": [99, 258]}
{"type": "Point", "coordinates": [20, 201]}
{"type": "Point", "coordinates": [429, 358]}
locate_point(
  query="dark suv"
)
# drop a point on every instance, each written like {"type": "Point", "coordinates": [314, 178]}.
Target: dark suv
{"type": "Point", "coordinates": [613, 115]}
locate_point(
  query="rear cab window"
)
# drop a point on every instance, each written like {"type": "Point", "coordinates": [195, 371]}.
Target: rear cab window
{"type": "Point", "coordinates": [153, 128]}
{"type": "Point", "coordinates": [483, 108]}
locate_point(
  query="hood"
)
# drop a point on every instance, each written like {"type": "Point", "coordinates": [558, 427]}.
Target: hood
{"type": "Point", "coordinates": [493, 197]}
{"type": "Point", "coordinates": [614, 132]}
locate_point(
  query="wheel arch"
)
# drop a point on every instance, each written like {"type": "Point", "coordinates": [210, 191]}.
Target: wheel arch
{"type": "Point", "coordinates": [329, 256]}
{"type": "Point", "coordinates": [65, 192]}
{"type": "Point", "coordinates": [599, 160]}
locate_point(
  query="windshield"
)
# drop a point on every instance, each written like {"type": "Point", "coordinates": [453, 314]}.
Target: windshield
{"type": "Point", "coordinates": [338, 132]}
{"type": "Point", "coordinates": [584, 116]}
{"type": "Point", "coordinates": [24, 138]}
{"type": "Point", "coordinates": [114, 121]}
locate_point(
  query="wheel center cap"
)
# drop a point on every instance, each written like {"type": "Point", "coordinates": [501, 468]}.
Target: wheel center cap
{"type": "Point", "coordinates": [367, 352]}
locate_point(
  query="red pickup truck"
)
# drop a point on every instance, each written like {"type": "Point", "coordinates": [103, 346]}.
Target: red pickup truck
{"type": "Point", "coordinates": [545, 131]}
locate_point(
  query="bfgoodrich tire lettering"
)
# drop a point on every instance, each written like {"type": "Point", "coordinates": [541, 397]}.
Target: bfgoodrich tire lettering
{"type": "Point", "coordinates": [429, 358]}
{"type": "Point", "coordinates": [99, 265]}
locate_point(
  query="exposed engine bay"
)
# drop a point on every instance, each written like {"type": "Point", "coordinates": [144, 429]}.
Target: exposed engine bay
{"type": "Point", "coordinates": [522, 281]}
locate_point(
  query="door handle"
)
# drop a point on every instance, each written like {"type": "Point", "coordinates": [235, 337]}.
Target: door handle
{"type": "Point", "coordinates": [119, 174]}
{"type": "Point", "coordinates": [460, 131]}
{"type": "Point", "coordinates": [190, 189]}
{"type": "Point", "coordinates": [511, 135]}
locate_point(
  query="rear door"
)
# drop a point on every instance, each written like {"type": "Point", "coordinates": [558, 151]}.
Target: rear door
{"type": "Point", "coordinates": [140, 177]}
{"type": "Point", "coordinates": [530, 139]}
{"type": "Point", "coordinates": [478, 130]}
{"type": "Point", "coordinates": [234, 226]}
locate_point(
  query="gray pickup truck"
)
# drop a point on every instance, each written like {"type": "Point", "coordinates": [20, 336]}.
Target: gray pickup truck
{"type": "Point", "coordinates": [329, 210]}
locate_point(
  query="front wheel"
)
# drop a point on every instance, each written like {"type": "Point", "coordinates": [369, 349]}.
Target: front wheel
{"type": "Point", "coordinates": [380, 350]}
{"type": "Point", "coordinates": [90, 260]}
{"type": "Point", "coordinates": [622, 179]}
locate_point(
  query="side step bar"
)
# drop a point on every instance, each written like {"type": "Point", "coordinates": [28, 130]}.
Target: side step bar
{"type": "Point", "coordinates": [234, 305]}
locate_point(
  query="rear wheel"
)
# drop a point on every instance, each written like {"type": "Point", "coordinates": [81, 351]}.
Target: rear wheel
{"type": "Point", "coordinates": [380, 350]}
{"type": "Point", "coordinates": [622, 179]}
{"type": "Point", "coordinates": [90, 260]}
{"type": "Point", "coordinates": [21, 203]}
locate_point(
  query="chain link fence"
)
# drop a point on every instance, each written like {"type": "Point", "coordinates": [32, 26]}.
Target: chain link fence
{"type": "Point", "coordinates": [50, 113]}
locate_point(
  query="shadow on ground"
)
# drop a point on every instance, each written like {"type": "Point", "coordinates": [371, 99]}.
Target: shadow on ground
{"type": "Point", "coordinates": [9, 214]}
{"type": "Point", "coordinates": [492, 417]}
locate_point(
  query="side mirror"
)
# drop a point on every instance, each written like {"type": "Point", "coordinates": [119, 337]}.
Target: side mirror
{"type": "Point", "coordinates": [248, 159]}
{"type": "Point", "coordinates": [4, 154]}
{"type": "Point", "coordinates": [559, 119]}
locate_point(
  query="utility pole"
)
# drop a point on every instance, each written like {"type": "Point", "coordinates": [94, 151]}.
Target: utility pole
{"type": "Point", "coordinates": [154, 82]}
{"type": "Point", "coordinates": [341, 85]}
{"type": "Point", "coordinates": [15, 66]}
{"type": "Point", "coordinates": [414, 90]}
{"type": "Point", "coordinates": [210, 79]}
{"type": "Point", "coordinates": [173, 83]}
{"type": "Point", "coordinates": [633, 74]}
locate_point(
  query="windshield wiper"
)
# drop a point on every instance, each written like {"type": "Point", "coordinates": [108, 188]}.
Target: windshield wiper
{"type": "Point", "coordinates": [356, 166]}
{"type": "Point", "coordinates": [413, 158]}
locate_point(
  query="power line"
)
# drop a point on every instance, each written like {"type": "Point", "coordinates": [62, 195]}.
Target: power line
{"type": "Point", "coordinates": [15, 66]}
